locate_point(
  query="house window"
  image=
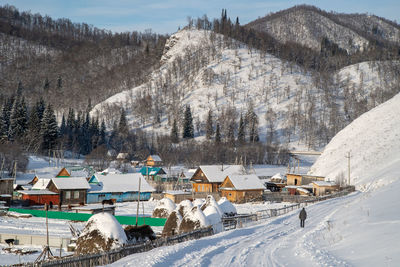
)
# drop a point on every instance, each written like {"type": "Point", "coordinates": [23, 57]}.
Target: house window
{"type": "Point", "coordinates": [67, 194]}
{"type": "Point", "coordinates": [76, 194]}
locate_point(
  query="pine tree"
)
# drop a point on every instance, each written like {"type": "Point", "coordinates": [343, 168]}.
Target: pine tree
{"type": "Point", "coordinates": [174, 133]}
{"type": "Point", "coordinates": [49, 129]}
{"type": "Point", "coordinates": [40, 107]}
{"type": "Point", "coordinates": [123, 130]}
{"type": "Point", "coordinates": [231, 133]}
{"type": "Point", "coordinates": [63, 126]}
{"type": "Point", "coordinates": [85, 140]}
{"type": "Point", "coordinates": [188, 130]}
{"type": "Point", "coordinates": [102, 138]}
{"type": "Point", "coordinates": [209, 126]}
{"type": "Point", "coordinates": [241, 131]}
{"type": "Point", "coordinates": [218, 134]}
{"type": "Point", "coordinates": [18, 120]}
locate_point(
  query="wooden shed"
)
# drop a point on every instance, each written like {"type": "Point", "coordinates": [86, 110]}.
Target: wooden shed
{"type": "Point", "coordinates": [321, 188]}
{"type": "Point", "coordinates": [40, 197]}
{"type": "Point", "coordinates": [242, 188]}
{"type": "Point", "coordinates": [208, 178]}
{"type": "Point", "coordinates": [302, 179]}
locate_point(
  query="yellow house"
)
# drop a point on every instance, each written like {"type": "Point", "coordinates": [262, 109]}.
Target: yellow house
{"type": "Point", "coordinates": [302, 179]}
{"type": "Point", "coordinates": [242, 188]}
{"type": "Point", "coordinates": [208, 178]}
{"type": "Point", "coordinates": [153, 161]}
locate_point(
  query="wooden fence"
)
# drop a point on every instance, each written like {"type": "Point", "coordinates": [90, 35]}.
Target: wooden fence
{"type": "Point", "coordinates": [117, 254]}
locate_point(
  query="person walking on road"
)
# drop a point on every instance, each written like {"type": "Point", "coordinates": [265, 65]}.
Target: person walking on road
{"type": "Point", "coordinates": [302, 217]}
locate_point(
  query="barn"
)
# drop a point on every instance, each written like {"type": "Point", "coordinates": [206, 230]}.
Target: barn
{"type": "Point", "coordinates": [40, 197]}
{"type": "Point", "coordinates": [242, 188]}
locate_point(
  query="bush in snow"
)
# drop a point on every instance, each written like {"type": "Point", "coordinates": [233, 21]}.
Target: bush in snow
{"type": "Point", "coordinates": [101, 233]}
{"type": "Point", "coordinates": [227, 207]}
{"type": "Point", "coordinates": [214, 218]}
{"type": "Point", "coordinates": [194, 219]}
{"type": "Point", "coordinates": [172, 224]}
{"type": "Point", "coordinates": [164, 208]}
{"type": "Point", "coordinates": [185, 206]}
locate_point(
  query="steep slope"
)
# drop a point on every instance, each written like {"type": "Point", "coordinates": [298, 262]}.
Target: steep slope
{"type": "Point", "coordinates": [374, 143]}
{"type": "Point", "coordinates": [199, 69]}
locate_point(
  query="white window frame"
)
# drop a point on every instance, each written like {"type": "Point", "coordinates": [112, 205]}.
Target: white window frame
{"type": "Point", "coordinates": [76, 194]}
{"type": "Point", "coordinates": [67, 194]}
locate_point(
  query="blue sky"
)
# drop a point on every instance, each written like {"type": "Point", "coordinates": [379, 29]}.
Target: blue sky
{"type": "Point", "coordinates": [165, 16]}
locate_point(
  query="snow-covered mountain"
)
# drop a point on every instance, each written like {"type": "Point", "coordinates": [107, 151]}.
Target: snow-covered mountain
{"type": "Point", "coordinates": [308, 25]}
{"type": "Point", "coordinates": [200, 70]}
{"type": "Point", "coordinates": [374, 145]}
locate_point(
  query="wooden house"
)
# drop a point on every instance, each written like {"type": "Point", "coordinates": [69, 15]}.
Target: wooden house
{"type": "Point", "coordinates": [208, 178]}
{"type": "Point", "coordinates": [118, 187]}
{"type": "Point", "coordinates": [73, 172]}
{"type": "Point", "coordinates": [302, 179]}
{"type": "Point", "coordinates": [153, 161]}
{"type": "Point", "coordinates": [242, 188]}
{"type": "Point", "coordinates": [321, 188]}
{"type": "Point", "coordinates": [71, 190]}
{"type": "Point", "coordinates": [39, 197]}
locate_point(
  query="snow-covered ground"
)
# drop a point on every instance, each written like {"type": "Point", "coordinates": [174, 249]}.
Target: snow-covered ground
{"type": "Point", "coordinates": [360, 229]}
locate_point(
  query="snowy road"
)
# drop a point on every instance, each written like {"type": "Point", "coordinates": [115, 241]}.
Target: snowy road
{"type": "Point", "coordinates": [277, 242]}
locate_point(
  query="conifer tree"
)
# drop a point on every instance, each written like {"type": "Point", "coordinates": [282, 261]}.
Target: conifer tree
{"type": "Point", "coordinates": [102, 138]}
{"type": "Point", "coordinates": [174, 133]}
{"type": "Point", "coordinates": [209, 126]}
{"type": "Point", "coordinates": [49, 129]}
{"type": "Point", "coordinates": [63, 126]}
{"type": "Point", "coordinates": [123, 130]}
{"type": "Point", "coordinates": [231, 132]}
{"type": "Point", "coordinates": [241, 131]}
{"type": "Point", "coordinates": [18, 120]}
{"type": "Point", "coordinates": [218, 134]}
{"type": "Point", "coordinates": [188, 129]}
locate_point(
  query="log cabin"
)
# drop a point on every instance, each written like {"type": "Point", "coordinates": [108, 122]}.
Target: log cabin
{"type": "Point", "coordinates": [242, 188]}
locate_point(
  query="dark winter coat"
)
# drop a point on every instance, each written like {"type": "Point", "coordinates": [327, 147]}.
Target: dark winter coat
{"type": "Point", "coordinates": [303, 214]}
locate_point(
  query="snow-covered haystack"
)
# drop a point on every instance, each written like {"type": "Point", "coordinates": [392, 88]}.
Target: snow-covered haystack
{"type": "Point", "coordinates": [185, 206]}
{"type": "Point", "coordinates": [198, 202]}
{"type": "Point", "coordinates": [227, 207]}
{"type": "Point", "coordinates": [164, 208]}
{"type": "Point", "coordinates": [214, 218]}
{"type": "Point", "coordinates": [373, 141]}
{"type": "Point", "coordinates": [210, 202]}
{"type": "Point", "coordinates": [139, 233]}
{"type": "Point", "coordinates": [172, 224]}
{"type": "Point", "coordinates": [101, 233]}
{"type": "Point", "coordinates": [194, 219]}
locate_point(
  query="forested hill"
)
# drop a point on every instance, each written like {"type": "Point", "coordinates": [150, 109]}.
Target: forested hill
{"type": "Point", "coordinates": [67, 63]}
{"type": "Point", "coordinates": [315, 28]}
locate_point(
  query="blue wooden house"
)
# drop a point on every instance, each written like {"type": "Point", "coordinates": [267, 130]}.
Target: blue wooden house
{"type": "Point", "coordinates": [118, 187]}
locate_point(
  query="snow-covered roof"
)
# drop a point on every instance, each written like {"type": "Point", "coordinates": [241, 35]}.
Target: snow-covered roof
{"type": "Point", "coordinates": [37, 192]}
{"type": "Point", "coordinates": [303, 190]}
{"type": "Point", "coordinates": [71, 183]}
{"type": "Point", "coordinates": [155, 157]}
{"type": "Point", "coordinates": [41, 184]}
{"type": "Point", "coordinates": [277, 176]}
{"type": "Point", "coordinates": [246, 182]}
{"type": "Point", "coordinates": [218, 173]}
{"type": "Point", "coordinates": [119, 183]}
{"type": "Point", "coordinates": [324, 183]}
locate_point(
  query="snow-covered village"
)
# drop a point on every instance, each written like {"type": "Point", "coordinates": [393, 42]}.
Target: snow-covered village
{"type": "Point", "coordinates": [264, 134]}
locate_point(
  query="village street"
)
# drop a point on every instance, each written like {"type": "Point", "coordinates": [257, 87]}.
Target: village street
{"type": "Point", "coordinates": [277, 242]}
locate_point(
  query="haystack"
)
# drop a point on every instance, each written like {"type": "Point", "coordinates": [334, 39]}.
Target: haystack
{"type": "Point", "coordinates": [184, 207]}
{"type": "Point", "coordinates": [210, 201]}
{"type": "Point", "coordinates": [194, 219]}
{"type": "Point", "coordinates": [171, 226]}
{"type": "Point", "coordinates": [164, 208]}
{"type": "Point", "coordinates": [101, 233]}
{"type": "Point", "coordinates": [140, 233]}
{"type": "Point", "coordinates": [214, 218]}
{"type": "Point", "coordinates": [227, 207]}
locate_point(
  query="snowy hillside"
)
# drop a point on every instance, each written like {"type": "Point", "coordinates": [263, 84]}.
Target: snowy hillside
{"type": "Point", "coordinates": [308, 27]}
{"type": "Point", "coordinates": [374, 143]}
{"type": "Point", "coordinates": [198, 70]}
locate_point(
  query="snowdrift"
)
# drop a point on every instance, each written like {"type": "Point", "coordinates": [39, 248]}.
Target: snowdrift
{"type": "Point", "coordinates": [374, 144]}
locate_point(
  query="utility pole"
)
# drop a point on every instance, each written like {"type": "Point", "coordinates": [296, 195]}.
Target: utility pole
{"type": "Point", "coordinates": [138, 204]}
{"type": "Point", "coordinates": [348, 156]}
